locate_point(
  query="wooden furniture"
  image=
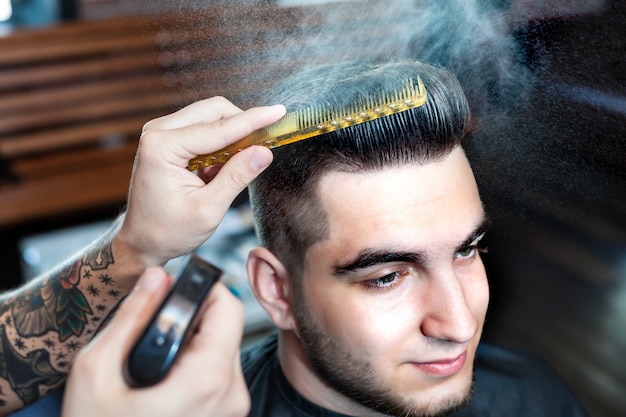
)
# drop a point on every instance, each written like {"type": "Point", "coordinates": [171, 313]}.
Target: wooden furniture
{"type": "Point", "coordinates": [73, 99]}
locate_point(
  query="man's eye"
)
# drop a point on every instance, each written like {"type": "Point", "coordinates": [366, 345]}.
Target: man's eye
{"type": "Point", "coordinates": [470, 251]}
{"type": "Point", "coordinates": [383, 282]}
{"type": "Point", "coordinates": [467, 252]}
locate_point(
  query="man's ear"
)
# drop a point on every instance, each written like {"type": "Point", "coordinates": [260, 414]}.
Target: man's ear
{"type": "Point", "coordinates": [269, 281]}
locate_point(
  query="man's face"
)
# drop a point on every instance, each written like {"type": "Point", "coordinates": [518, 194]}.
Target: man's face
{"type": "Point", "coordinates": [393, 302]}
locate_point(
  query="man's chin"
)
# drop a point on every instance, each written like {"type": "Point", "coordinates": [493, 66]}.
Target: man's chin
{"type": "Point", "coordinates": [453, 400]}
{"type": "Point", "coordinates": [440, 402]}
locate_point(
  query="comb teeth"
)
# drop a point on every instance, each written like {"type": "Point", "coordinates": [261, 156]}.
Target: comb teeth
{"type": "Point", "coordinates": [311, 122]}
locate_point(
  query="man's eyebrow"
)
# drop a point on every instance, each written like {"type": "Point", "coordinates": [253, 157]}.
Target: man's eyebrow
{"type": "Point", "coordinates": [370, 257]}
{"type": "Point", "coordinates": [480, 230]}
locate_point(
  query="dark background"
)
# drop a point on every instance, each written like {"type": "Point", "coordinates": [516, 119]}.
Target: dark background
{"type": "Point", "coordinates": [552, 173]}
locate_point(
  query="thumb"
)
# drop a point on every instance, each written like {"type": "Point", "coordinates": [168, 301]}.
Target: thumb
{"type": "Point", "coordinates": [239, 172]}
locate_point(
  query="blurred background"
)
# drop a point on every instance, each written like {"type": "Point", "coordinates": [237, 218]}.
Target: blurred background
{"type": "Point", "coordinates": [546, 81]}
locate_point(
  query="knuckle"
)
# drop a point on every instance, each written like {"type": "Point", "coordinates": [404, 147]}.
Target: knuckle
{"type": "Point", "coordinates": [215, 102]}
{"type": "Point", "coordinates": [237, 186]}
{"type": "Point", "coordinates": [219, 100]}
{"type": "Point", "coordinates": [238, 180]}
{"type": "Point", "coordinates": [149, 136]}
{"type": "Point", "coordinates": [150, 141]}
{"type": "Point", "coordinates": [147, 127]}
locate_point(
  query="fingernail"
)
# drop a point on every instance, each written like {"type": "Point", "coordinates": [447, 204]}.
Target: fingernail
{"type": "Point", "coordinates": [260, 158]}
{"type": "Point", "coordinates": [150, 280]}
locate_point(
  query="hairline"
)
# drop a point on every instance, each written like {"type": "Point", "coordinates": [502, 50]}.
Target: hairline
{"type": "Point", "coordinates": [315, 201]}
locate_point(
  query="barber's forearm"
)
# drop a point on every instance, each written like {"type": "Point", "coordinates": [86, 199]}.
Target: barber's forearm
{"type": "Point", "coordinates": [44, 323]}
{"type": "Point", "coordinates": [170, 212]}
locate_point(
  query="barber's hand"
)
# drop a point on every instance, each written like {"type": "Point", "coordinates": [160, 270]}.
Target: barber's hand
{"type": "Point", "coordinates": [171, 210]}
{"type": "Point", "coordinates": [205, 380]}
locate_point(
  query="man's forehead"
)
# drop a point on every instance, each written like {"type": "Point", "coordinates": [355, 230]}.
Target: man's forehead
{"type": "Point", "coordinates": [443, 168]}
{"type": "Point", "coordinates": [434, 198]}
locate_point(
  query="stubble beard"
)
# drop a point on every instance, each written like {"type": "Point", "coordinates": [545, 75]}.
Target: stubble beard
{"type": "Point", "coordinates": [355, 378]}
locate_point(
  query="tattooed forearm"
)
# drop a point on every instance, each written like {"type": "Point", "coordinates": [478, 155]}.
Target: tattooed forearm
{"type": "Point", "coordinates": [45, 323]}
{"type": "Point", "coordinates": [26, 372]}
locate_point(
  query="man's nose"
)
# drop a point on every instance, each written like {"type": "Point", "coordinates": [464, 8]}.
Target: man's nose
{"type": "Point", "coordinates": [447, 313]}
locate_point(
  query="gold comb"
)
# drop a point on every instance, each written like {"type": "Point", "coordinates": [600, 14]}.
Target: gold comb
{"type": "Point", "coordinates": [310, 122]}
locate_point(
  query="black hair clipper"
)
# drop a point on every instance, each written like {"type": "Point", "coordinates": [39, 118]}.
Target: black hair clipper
{"type": "Point", "coordinates": [157, 348]}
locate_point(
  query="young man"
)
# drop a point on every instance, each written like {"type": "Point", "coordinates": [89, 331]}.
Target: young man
{"type": "Point", "coordinates": [371, 269]}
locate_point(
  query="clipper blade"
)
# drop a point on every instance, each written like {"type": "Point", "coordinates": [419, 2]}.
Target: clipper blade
{"type": "Point", "coordinates": [311, 122]}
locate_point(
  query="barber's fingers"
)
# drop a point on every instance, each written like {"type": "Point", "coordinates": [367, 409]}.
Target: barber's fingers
{"type": "Point", "coordinates": [236, 174]}
{"type": "Point", "coordinates": [217, 339]}
{"type": "Point", "coordinates": [183, 143]}
{"type": "Point", "coordinates": [258, 159]}
{"type": "Point", "coordinates": [203, 111]}
{"type": "Point", "coordinates": [222, 318]}
{"type": "Point", "coordinates": [215, 345]}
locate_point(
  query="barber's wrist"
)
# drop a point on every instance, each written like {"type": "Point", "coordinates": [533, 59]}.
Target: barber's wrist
{"type": "Point", "coordinates": [135, 251]}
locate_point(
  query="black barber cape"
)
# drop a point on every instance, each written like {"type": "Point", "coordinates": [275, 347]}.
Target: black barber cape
{"type": "Point", "coordinates": [508, 384]}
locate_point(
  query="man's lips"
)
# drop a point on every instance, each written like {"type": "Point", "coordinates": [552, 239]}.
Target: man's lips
{"type": "Point", "coordinates": [442, 367]}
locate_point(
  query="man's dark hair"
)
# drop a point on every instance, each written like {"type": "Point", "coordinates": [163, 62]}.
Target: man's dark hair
{"type": "Point", "coordinates": [288, 215]}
